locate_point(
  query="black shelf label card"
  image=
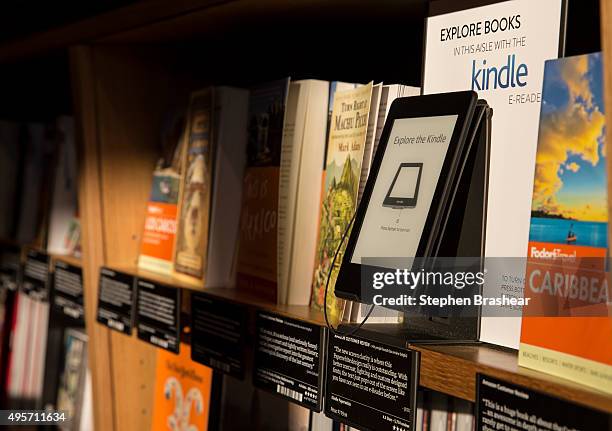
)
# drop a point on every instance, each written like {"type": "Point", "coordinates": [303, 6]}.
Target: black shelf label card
{"type": "Point", "coordinates": [35, 281]}
{"type": "Point", "coordinates": [116, 300]}
{"type": "Point", "coordinates": [10, 266]}
{"type": "Point", "coordinates": [68, 290]}
{"type": "Point", "coordinates": [289, 359]}
{"type": "Point", "coordinates": [501, 405]}
{"type": "Point", "coordinates": [158, 314]}
{"type": "Point", "coordinates": [370, 385]}
{"type": "Point", "coordinates": [218, 334]}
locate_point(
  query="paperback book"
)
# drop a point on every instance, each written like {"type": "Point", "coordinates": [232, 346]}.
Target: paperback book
{"type": "Point", "coordinates": [567, 326]}
{"type": "Point", "coordinates": [345, 151]}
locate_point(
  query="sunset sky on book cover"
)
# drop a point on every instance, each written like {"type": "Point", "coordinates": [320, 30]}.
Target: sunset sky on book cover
{"type": "Point", "coordinates": [567, 328]}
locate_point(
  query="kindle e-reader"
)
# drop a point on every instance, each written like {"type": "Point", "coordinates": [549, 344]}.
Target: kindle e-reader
{"type": "Point", "coordinates": [410, 184]}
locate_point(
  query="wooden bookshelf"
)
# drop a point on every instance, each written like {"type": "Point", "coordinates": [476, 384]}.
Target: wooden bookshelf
{"type": "Point", "coordinates": [452, 370]}
{"type": "Point", "coordinates": [123, 69]}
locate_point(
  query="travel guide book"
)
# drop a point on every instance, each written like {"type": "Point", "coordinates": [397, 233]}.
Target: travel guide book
{"type": "Point", "coordinates": [345, 149]}
{"type": "Point", "coordinates": [566, 327]}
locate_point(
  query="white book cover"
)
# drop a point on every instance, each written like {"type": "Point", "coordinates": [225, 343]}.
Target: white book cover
{"type": "Point", "coordinates": [499, 51]}
{"type": "Point", "coordinates": [302, 156]}
{"type": "Point", "coordinates": [230, 160]}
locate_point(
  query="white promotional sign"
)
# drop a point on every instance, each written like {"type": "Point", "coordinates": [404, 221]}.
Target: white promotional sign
{"type": "Point", "coordinates": [499, 51]}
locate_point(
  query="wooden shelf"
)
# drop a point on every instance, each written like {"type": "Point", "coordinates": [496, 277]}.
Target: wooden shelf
{"type": "Point", "coordinates": [299, 312]}
{"type": "Point", "coordinates": [71, 260]}
{"type": "Point", "coordinates": [452, 370]}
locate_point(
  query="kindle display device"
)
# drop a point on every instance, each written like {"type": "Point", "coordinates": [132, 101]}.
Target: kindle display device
{"type": "Point", "coordinates": [411, 187]}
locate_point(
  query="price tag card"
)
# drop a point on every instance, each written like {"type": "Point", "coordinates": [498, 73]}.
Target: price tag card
{"type": "Point", "coordinates": [10, 265]}
{"type": "Point", "coordinates": [218, 334]}
{"type": "Point", "coordinates": [157, 314]}
{"type": "Point", "coordinates": [502, 405]}
{"type": "Point", "coordinates": [68, 290]}
{"type": "Point", "coordinates": [36, 275]}
{"type": "Point", "coordinates": [116, 300]}
{"type": "Point", "coordinates": [289, 359]}
{"type": "Point", "coordinates": [371, 385]}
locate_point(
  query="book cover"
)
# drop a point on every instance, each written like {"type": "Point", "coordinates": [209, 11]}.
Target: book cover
{"type": "Point", "coordinates": [182, 392]}
{"type": "Point", "coordinates": [345, 149]}
{"type": "Point", "coordinates": [157, 245]}
{"type": "Point", "coordinates": [71, 390]}
{"type": "Point", "coordinates": [194, 202]}
{"type": "Point", "coordinates": [502, 59]}
{"type": "Point", "coordinates": [257, 253]}
{"type": "Point", "coordinates": [566, 328]}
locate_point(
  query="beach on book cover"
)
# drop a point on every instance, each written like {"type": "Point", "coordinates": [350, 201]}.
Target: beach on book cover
{"type": "Point", "coordinates": [566, 328]}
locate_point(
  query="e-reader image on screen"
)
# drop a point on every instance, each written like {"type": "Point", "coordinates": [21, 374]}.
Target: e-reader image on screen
{"type": "Point", "coordinates": [404, 189]}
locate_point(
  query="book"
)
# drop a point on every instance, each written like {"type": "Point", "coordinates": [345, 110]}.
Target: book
{"type": "Point", "coordinates": [257, 251]}
{"type": "Point", "coordinates": [190, 252]}
{"type": "Point", "coordinates": [64, 204]}
{"type": "Point", "coordinates": [387, 94]}
{"type": "Point", "coordinates": [567, 326]}
{"type": "Point", "coordinates": [32, 182]}
{"type": "Point", "coordinates": [182, 392]}
{"type": "Point", "coordinates": [231, 114]}
{"type": "Point", "coordinates": [302, 153]}
{"type": "Point", "coordinates": [72, 391]}
{"type": "Point", "coordinates": [453, 64]}
{"type": "Point", "coordinates": [157, 244]}
{"type": "Point", "coordinates": [345, 149]}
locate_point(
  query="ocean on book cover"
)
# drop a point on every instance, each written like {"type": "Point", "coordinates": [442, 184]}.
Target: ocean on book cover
{"type": "Point", "coordinates": [566, 327]}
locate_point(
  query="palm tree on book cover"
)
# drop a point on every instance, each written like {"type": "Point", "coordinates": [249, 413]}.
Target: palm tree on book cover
{"type": "Point", "coordinates": [336, 213]}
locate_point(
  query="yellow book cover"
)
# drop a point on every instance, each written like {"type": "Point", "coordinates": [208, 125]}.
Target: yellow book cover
{"type": "Point", "coordinates": [345, 148]}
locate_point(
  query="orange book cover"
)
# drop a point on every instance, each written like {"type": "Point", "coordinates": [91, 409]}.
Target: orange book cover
{"type": "Point", "coordinates": [567, 327]}
{"type": "Point", "coordinates": [182, 392]}
{"type": "Point", "coordinates": [257, 250]}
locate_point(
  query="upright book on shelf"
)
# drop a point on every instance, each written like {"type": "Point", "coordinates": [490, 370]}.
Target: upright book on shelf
{"type": "Point", "coordinates": [345, 150]}
{"type": "Point", "coordinates": [567, 326]}
{"type": "Point", "coordinates": [498, 50]}
{"type": "Point", "coordinates": [257, 251]}
{"type": "Point", "coordinates": [302, 153]}
{"type": "Point", "coordinates": [190, 252]}
{"type": "Point", "coordinates": [64, 204]}
{"type": "Point", "coordinates": [157, 244]}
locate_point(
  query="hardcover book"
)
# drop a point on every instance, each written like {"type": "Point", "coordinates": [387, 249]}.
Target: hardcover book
{"type": "Point", "coordinates": [257, 253]}
{"type": "Point", "coordinates": [194, 202]}
{"type": "Point", "coordinates": [345, 151]}
{"type": "Point", "coordinates": [157, 245]}
{"type": "Point", "coordinates": [566, 327]}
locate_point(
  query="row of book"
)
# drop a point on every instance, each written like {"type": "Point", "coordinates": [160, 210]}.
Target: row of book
{"type": "Point", "coordinates": [38, 185]}
{"type": "Point", "coordinates": [255, 188]}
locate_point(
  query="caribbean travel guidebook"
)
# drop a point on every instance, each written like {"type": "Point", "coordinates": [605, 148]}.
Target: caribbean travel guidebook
{"type": "Point", "coordinates": [566, 328]}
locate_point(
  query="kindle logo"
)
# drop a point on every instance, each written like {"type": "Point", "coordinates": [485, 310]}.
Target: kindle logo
{"type": "Point", "coordinates": [493, 77]}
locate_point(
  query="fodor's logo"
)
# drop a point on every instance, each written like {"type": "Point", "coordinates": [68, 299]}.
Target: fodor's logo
{"type": "Point", "coordinates": [509, 75]}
